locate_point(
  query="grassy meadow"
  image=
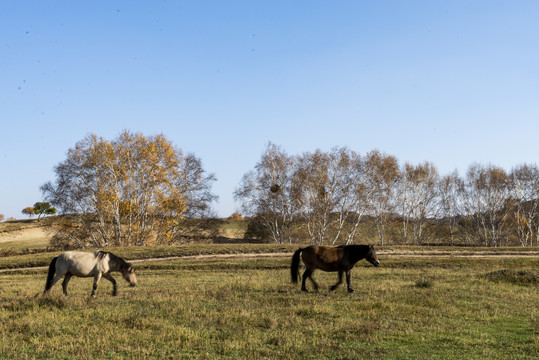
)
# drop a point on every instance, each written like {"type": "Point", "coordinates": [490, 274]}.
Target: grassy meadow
{"type": "Point", "coordinates": [427, 307]}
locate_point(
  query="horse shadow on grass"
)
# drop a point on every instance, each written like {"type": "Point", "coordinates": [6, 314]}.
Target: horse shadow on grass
{"type": "Point", "coordinates": [28, 303]}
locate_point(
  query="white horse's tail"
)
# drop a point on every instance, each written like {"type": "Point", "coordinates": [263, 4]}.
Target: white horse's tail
{"type": "Point", "coordinates": [50, 275]}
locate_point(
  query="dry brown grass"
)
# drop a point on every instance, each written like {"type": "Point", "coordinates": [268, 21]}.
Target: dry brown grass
{"type": "Point", "coordinates": [247, 309]}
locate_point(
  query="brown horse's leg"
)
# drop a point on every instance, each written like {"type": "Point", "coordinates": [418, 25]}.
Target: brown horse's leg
{"type": "Point", "coordinates": [67, 277]}
{"type": "Point", "coordinates": [306, 274]}
{"type": "Point", "coordinates": [309, 274]}
{"type": "Point", "coordinates": [338, 283]}
{"type": "Point", "coordinates": [348, 273]}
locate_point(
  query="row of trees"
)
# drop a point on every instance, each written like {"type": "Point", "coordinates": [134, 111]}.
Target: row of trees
{"type": "Point", "coordinates": [40, 209]}
{"type": "Point", "coordinates": [133, 190]}
{"type": "Point", "coordinates": [332, 193]}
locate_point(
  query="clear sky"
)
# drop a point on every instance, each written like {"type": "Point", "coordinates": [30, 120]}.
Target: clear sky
{"type": "Point", "coordinates": [452, 82]}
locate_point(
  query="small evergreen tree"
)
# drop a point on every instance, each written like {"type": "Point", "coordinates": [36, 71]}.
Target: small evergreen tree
{"type": "Point", "coordinates": [43, 208]}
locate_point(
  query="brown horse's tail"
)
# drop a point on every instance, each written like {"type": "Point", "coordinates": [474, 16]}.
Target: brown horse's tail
{"type": "Point", "coordinates": [294, 267]}
{"type": "Point", "coordinates": [50, 275]}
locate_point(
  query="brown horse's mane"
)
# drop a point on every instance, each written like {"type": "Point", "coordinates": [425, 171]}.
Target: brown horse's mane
{"type": "Point", "coordinates": [357, 251]}
{"type": "Point", "coordinates": [354, 245]}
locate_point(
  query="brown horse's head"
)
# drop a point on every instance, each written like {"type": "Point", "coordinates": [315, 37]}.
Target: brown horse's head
{"type": "Point", "coordinates": [129, 274]}
{"type": "Point", "coordinates": [371, 256]}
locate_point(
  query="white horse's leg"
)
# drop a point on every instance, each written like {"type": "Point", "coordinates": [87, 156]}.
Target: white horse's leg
{"type": "Point", "coordinates": [111, 279]}
{"type": "Point", "coordinates": [97, 277]}
{"type": "Point", "coordinates": [65, 282]}
{"type": "Point", "coordinates": [57, 277]}
{"type": "Point", "coordinates": [60, 268]}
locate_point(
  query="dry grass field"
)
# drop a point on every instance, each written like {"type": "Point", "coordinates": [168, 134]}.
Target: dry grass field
{"type": "Point", "coordinates": [408, 308]}
{"type": "Point", "coordinates": [421, 303]}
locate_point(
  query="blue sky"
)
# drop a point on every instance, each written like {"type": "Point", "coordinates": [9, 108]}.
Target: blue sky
{"type": "Point", "coordinates": [452, 82]}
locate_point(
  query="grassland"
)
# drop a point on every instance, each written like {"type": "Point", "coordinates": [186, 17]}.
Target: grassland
{"type": "Point", "coordinates": [420, 307]}
{"type": "Point", "coordinates": [422, 303]}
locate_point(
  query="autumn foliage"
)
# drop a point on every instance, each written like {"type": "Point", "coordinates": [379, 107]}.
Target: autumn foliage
{"type": "Point", "coordinates": [128, 191]}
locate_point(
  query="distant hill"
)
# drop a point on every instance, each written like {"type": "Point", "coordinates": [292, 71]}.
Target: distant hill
{"type": "Point", "coordinates": [30, 234]}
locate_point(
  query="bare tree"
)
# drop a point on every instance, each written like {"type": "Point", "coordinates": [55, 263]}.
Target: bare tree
{"type": "Point", "coordinates": [314, 188]}
{"type": "Point", "coordinates": [417, 197]}
{"type": "Point", "coordinates": [266, 192]}
{"type": "Point", "coordinates": [381, 177]}
{"type": "Point", "coordinates": [449, 206]}
{"type": "Point", "coordinates": [354, 203]}
{"type": "Point", "coordinates": [195, 187]}
{"type": "Point", "coordinates": [485, 194]}
{"type": "Point", "coordinates": [525, 190]}
{"type": "Point", "coordinates": [330, 191]}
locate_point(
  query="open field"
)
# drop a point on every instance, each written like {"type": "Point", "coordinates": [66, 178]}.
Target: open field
{"type": "Point", "coordinates": [411, 307]}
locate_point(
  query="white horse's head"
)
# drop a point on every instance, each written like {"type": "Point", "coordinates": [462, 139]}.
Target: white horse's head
{"type": "Point", "coordinates": [129, 275]}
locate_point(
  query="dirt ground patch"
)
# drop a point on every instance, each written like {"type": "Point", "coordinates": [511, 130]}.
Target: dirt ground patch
{"type": "Point", "coordinates": [286, 254]}
{"type": "Point", "coordinates": [34, 234]}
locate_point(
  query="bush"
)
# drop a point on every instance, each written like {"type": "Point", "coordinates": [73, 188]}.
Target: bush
{"type": "Point", "coordinates": [256, 229]}
{"type": "Point", "coordinates": [424, 282]}
{"type": "Point", "coordinates": [525, 278]}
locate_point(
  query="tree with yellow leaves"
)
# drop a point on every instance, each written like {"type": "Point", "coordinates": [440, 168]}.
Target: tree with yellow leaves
{"type": "Point", "coordinates": [128, 191]}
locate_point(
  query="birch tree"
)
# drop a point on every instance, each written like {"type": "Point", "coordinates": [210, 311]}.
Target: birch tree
{"type": "Point", "coordinates": [266, 192]}
{"type": "Point", "coordinates": [417, 197]}
{"type": "Point", "coordinates": [122, 192]}
{"type": "Point", "coordinates": [314, 190]}
{"type": "Point", "coordinates": [485, 194]}
{"type": "Point", "coordinates": [525, 190]}
{"type": "Point", "coordinates": [331, 194]}
{"type": "Point", "coordinates": [448, 201]}
{"type": "Point", "coordinates": [381, 177]}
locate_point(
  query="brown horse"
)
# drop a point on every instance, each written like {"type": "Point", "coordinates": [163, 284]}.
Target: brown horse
{"type": "Point", "coordinates": [341, 259]}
